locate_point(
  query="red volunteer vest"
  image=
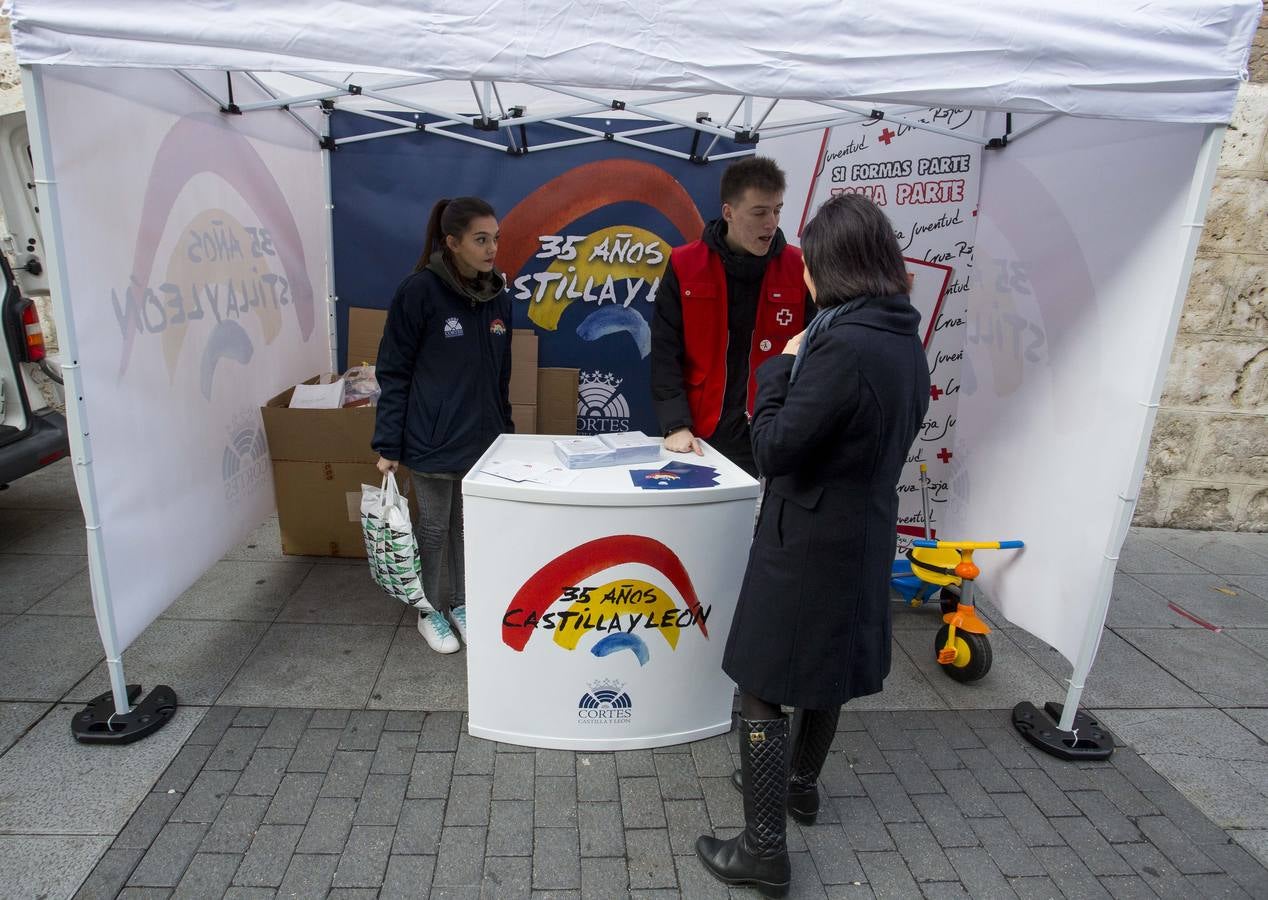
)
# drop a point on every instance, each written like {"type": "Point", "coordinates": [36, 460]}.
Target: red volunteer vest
{"type": "Point", "coordinates": [702, 284]}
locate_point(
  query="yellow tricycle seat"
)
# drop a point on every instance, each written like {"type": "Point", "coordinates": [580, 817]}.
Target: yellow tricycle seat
{"type": "Point", "coordinates": [936, 565]}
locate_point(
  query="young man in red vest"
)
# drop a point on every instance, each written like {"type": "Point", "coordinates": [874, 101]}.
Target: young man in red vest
{"type": "Point", "coordinates": [726, 303]}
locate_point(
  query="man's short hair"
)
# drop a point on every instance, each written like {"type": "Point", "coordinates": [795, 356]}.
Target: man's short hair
{"type": "Point", "coordinates": [757, 172]}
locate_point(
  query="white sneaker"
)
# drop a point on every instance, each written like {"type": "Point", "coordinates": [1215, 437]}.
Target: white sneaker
{"type": "Point", "coordinates": [436, 631]}
{"type": "Point", "coordinates": [459, 616]}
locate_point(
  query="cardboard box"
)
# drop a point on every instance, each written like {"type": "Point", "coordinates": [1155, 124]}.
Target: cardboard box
{"type": "Point", "coordinates": [523, 366]}
{"type": "Point", "coordinates": [321, 457]}
{"type": "Point", "coordinates": [524, 415]}
{"type": "Point", "coordinates": [557, 401]}
{"type": "Point", "coordinates": [365, 330]}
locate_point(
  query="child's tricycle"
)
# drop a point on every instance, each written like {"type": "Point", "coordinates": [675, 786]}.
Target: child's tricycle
{"type": "Point", "coordinates": [961, 646]}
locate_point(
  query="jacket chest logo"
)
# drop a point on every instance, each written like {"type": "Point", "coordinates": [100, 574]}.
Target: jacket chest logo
{"type": "Point", "coordinates": [497, 327]}
{"type": "Point", "coordinates": [453, 328]}
{"type": "Point", "coordinates": [784, 317]}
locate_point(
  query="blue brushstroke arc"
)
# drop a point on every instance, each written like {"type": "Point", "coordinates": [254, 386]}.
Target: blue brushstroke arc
{"type": "Point", "coordinates": [622, 641]}
{"type": "Point", "coordinates": [228, 339]}
{"type": "Point", "coordinates": [613, 320]}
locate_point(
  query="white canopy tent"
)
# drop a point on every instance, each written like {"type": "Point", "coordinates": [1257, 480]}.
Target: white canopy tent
{"type": "Point", "coordinates": [1093, 219]}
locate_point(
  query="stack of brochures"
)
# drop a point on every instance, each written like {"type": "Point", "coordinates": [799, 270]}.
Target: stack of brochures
{"type": "Point", "coordinates": [607, 450]}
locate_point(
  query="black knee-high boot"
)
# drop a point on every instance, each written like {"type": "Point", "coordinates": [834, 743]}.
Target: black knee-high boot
{"type": "Point", "coordinates": [758, 856]}
{"type": "Point", "coordinates": [812, 734]}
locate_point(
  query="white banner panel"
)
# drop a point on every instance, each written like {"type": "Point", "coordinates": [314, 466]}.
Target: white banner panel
{"type": "Point", "coordinates": [194, 246]}
{"type": "Point", "coordinates": [927, 184]}
{"type": "Point", "coordinates": [1080, 252]}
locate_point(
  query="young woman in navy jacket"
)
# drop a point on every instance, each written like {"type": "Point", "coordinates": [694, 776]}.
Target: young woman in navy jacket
{"type": "Point", "coordinates": [444, 369]}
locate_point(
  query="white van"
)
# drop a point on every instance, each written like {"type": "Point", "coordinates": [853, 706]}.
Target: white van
{"type": "Point", "coordinates": [32, 432]}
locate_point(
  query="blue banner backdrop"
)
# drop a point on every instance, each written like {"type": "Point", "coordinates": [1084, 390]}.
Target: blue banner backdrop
{"type": "Point", "coordinates": [586, 235]}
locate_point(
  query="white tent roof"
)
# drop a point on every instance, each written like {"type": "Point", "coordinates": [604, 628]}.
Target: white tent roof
{"type": "Point", "coordinates": [1173, 60]}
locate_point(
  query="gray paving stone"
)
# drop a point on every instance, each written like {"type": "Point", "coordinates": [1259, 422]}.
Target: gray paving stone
{"type": "Point", "coordinates": [364, 859]}
{"type": "Point", "coordinates": [308, 876]}
{"type": "Point", "coordinates": [236, 823]}
{"type": "Point", "coordinates": [635, 763]}
{"type": "Point", "coordinates": [167, 858]}
{"type": "Point", "coordinates": [918, 847]}
{"type": "Point", "coordinates": [330, 718]}
{"type": "Point", "coordinates": [864, 830]}
{"type": "Point", "coordinates": [712, 758]}
{"type": "Point", "coordinates": [208, 875]}
{"type": "Point", "coordinates": [430, 775]}
{"type": "Point", "coordinates": [1034, 888]}
{"type": "Point", "coordinates": [205, 797]}
{"type": "Point", "coordinates": [110, 874]}
{"type": "Point", "coordinates": [311, 665]}
{"type": "Point", "coordinates": [253, 717]}
{"type": "Point", "coordinates": [833, 859]}
{"type": "Point", "coordinates": [556, 801]}
{"type": "Point", "coordinates": [364, 728]}
{"type": "Point", "coordinates": [555, 762]}
{"type": "Point", "coordinates": [887, 875]}
{"type": "Point", "coordinates": [395, 753]}
{"type": "Point", "coordinates": [556, 859]}
{"type": "Point", "coordinates": [314, 751]}
{"type": "Point", "coordinates": [1046, 795]}
{"type": "Point", "coordinates": [888, 732]}
{"type": "Point", "coordinates": [1210, 886]}
{"type": "Point", "coordinates": [328, 826]}
{"type": "Point", "coordinates": [469, 797]}
{"type": "Point", "coordinates": [461, 857]}
{"type": "Point", "coordinates": [1200, 593]}
{"type": "Point", "coordinates": [935, 752]}
{"type": "Point", "coordinates": [726, 807]}
{"type": "Point", "coordinates": [285, 728]}
{"type": "Point", "coordinates": [1157, 871]}
{"type": "Point", "coordinates": [418, 828]}
{"type": "Point", "coordinates": [888, 797]}
{"type": "Point", "coordinates": [382, 799]}
{"type": "Point", "coordinates": [945, 820]}
{"type": "Point", "coordinates": [601, 828]}
{"type": "Point", "coordinates": [353, 894]}
{"type": "Point", "coordinates": [641, 803]}
{"type": "Point", "coordinates": [404, 720]}
{"type": "Point", "coordinates": [1069, 873]}
{"type": "Point", "coordinates": [1107, 817]}
{"type": "Point", "coordinates": [1240, 866]}
{"type": "Point", "coordinates": [17, 718]}
{"type": "Point", "coordinates": [507, 878]}
{"type": "Point", "coordinates": [677, 776]}
{"type": "Point", "coordinates": [511, 828]}
{"type": "Point", "coordinates": [513, 776]}
{"type": "Point", "coordinates": [1141, 555]}
{"type": "Point", "coordinates": [471, 891]}
{"type": "Point", "coordinates": [249, 893]}
{"type": "Point", "coordinates": [942, 890]}
{"type": "Point", "coordinates": [650, 862]}
{"type": "Point", "coordinates": [182, 771]}
{"type": "Point", "coordinates": [688, 819]}
{"type": "Point", "coordinates": [1030, 824]}
{"type": "Point", "coordinates": [144, 893]}
{"type": "Point", "coordinates": [475, 755]}
{"type": "Point", "coordinates": [1007, 746]}
{"type": "Point", "coordinates": [979, 874]}
{"type": "Point", "coordinates": [293, 803]}
{"type": "Point", "coordinates": [914, 776]}
{"type": "Point", "coordinates": [1007, 849]}
{"type": "Point", "coordinates": [1176, 846]}
{"type": "Point", "coordinates": [348, 772]}
{"type": "Point", "coordinates": [340, 595]}
{"type": "Point", "coordinates": [964, 789]}
{"type": "Point", "coordinates": [837, 778]}
{"type": "Point", "coordinates": [266, 861]}
{"type": "Point", "coordinates": [1135, 605]}
{"type": "Point", "coordinates": [694, 881]}
{"type": "Point", "coordinates": [45, 656]}
{"type": "Point", "coordinates": [602, 878]}
{"type": "Point", "coordinates": [987, 770]}
{"type": "Point", "coordinates": [1142, 776]}
{"type": "Point", "coordinates": [147, 821]}
{"type": "Point", "coordinates": [413, 677]}
{"type": "Point", "coordinates": [264, 772]}
{"type": "Point", "coordinates": [440, 731]}
{"type": "Point", "coordinates": [596, 777]}
{"type": "Point", "coordinates": [863, 754]}
{"type": "Point", "coordinates": [407, 877]}
{"type": "Point", "coordinates": [1091, 846]}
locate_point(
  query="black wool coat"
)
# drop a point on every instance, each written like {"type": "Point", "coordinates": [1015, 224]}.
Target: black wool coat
{"type": "Point", "coordinates": [812, 625]}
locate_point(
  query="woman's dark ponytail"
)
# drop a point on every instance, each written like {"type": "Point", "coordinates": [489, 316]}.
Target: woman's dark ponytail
{"type": "Point", "coordinates": [450, 217]}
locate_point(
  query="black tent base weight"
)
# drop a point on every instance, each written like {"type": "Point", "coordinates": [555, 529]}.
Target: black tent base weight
{"type": "Point", "coordinates": [1088, 740]}
{"type": "Point", "coordinates": [97, 722]}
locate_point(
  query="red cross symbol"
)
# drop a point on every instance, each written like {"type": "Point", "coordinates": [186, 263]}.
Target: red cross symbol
{"type": "Point", "coordinates": [784, 316]}
{"type": "Point", "coordinates": [886, 136]}
{"type": "Point", "coordinates": [945, 455]}
{"type": "Point", "coordinates": [934, 391]}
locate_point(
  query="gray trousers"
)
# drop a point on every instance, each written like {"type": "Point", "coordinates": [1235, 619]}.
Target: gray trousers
{"type": "Point", "coordinates": [439, 529]}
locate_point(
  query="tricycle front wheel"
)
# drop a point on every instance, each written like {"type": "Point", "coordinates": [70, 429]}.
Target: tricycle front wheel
{"type": "Point", "coordinates": [972, 654]}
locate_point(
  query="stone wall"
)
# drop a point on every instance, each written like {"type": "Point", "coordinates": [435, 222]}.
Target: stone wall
{"type": "Point", "coordinates": [1208, 460]}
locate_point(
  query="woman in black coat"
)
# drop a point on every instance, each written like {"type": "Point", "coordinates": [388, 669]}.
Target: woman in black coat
{"type": "Point", "coordinates": [835, 416]}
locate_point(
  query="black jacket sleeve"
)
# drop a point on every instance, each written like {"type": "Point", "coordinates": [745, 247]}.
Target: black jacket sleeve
{"type": "Point", "coordinates": [669, 396]}
{"type": "Point", "coordinates": [790, 423]}
{"type": "Point", "coordinates": [394, 368]}
{"type": "Point", "coordinates": [504, 388]}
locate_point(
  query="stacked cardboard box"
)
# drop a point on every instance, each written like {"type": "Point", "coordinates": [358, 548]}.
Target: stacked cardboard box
{"type": "Point", "coordinates": [321, 457]}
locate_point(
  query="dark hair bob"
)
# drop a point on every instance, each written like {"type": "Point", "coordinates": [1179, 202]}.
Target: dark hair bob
{"type": "Point", "coordinates": [851, 251]}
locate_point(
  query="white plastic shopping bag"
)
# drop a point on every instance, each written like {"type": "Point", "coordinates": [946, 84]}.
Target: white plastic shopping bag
{"type": "Point", "coordinates": [390, 546]}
